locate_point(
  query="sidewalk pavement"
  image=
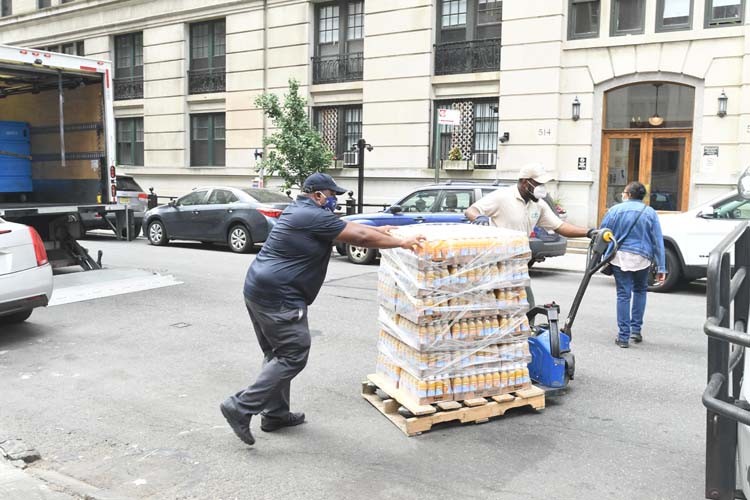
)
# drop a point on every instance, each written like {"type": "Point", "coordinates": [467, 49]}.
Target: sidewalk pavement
{"type": "Point", "coordinates": [17, 484]}
{"type": "Point", "coordinates": [575, 262]}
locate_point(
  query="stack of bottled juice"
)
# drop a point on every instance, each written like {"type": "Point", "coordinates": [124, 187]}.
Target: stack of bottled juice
{"type": "Point", "coordinates": [452, 314]}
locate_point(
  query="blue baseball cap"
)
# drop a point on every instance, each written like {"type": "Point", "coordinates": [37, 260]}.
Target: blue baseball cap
{"type": "Point", "coordinates": [319, 181]}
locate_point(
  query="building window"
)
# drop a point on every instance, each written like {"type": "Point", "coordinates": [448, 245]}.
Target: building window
{"type": "Point", "coordinates": [42, 4]}
{"type": "Point", "coordinates": [72, 48]}
{"type": "Point", "coordinates": [130, 141]}
{"type": "Point", "coordinates": [673, 15]}
{"type": "Point", "coordinates": [476, 137]}
{"type": "Point", "coordinates": [339, 47]}
{"type": "Point", "coordinates": [469, 33]}
{"type": "Point", "coordinates": [207, 57]}
{"type": "Point", "coordinates": [207, 144]}
{"type": "Point", "coordinates": [6, 8]}
{"type": "Point", "coordinates": [724, 12]}
{"type": "Point", "coordinates": [340, 127]}
{"type": "Point", "coordinates": [628, 17]}
{"type": "Point", "coordinates": [128, 83]}
{"type": "Point", "coordinates": [583, 19]}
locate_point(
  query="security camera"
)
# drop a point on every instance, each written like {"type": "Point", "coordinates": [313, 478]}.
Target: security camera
{"type": "Point", "coordinates": [504, 138]}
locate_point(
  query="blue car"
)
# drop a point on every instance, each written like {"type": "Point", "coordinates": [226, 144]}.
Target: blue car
{"type": "Point", "coordinates": [445, 203]}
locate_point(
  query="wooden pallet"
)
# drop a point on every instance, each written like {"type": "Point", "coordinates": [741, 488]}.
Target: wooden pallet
{"type": "Point", "coordinates": [477, 410]}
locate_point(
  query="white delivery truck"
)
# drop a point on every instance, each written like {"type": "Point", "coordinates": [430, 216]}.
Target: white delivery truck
{"type": "Point", "coordinates": [57, 149]}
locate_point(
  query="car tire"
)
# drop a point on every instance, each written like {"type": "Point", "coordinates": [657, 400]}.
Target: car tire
{"type": "Point", "coordinates": [14, 318]}
{"type": "Point", "coordinates": [674, 274]}
{"type": "Point", "coordinates": [239, 239]}
{"type": "Point", "coordinates": [361, 255]}
{"type": "Point", "coordinates": [157, 233]}
{"type": "Point", "coordinates": [136, 232]}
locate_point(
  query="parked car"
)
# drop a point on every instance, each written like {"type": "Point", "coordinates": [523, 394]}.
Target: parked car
{"type": "Point", "coordinates": [690, 236]}
{"type": "Point", "coordinates": [128, 193]}
{"type": "Point", "coordinates": [25, 272]}
{"type": "Point", "coordinates": [445, 203]}
{"type": "Point", "coordinates": [217, 214]}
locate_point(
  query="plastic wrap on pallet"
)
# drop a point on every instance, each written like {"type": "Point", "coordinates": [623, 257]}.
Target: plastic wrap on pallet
{"type": "Point", "coordinates": [452, 314]}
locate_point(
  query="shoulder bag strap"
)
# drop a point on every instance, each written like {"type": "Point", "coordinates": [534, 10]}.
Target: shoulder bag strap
{"type": "Point", "coordinates": [634, 223]}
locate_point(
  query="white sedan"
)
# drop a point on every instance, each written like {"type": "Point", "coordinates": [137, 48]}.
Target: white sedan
{"type": "Point", "coordinates": [25, 272]}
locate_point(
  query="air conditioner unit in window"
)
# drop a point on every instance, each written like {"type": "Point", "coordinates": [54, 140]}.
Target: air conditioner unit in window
{"type": "Point", "coordinates": [351, 159]}
{"type": "Point", "coordinates": [485, 159]}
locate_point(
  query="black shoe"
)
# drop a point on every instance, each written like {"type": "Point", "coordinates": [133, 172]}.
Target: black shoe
{"type": "Point", "coordinates": [240, 428]}
{"type": "Point", "coordinates": [622, 343]}
{"type": "Point", "coordinates": [270, 424]}
{"type": "Point", "coordinates": [637, 338]}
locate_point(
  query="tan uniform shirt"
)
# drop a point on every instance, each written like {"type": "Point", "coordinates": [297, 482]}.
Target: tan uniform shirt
{"type": "Point", "coordinates": [507, 209]}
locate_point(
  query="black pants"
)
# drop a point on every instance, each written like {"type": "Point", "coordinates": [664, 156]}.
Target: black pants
{"type": "Point", "coordinates": [284, 337]}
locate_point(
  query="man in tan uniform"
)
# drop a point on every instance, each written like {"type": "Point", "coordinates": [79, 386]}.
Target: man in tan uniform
{"type": "Point", "coordinates": [521, 208]}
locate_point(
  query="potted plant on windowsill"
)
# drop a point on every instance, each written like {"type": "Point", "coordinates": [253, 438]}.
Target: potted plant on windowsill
{"type": "Point", "coordinates": [455, 161]}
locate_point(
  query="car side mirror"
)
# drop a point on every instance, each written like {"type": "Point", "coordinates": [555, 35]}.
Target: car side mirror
{"type": "Point", "coordinates": [172, 203]}
{"type": "Point", "coordinates": [396, 209]}
{"type": "Point", "coordinates": [743, 185]}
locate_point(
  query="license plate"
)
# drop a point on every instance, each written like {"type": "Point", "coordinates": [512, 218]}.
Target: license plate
{"type": "Point", "coordinates": [124, 199]}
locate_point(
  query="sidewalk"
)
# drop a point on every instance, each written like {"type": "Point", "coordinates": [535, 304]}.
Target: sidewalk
{"type": "Point", "coordinates": [573, 262]}
{"type": "Point", "coordinates": [16, 484]}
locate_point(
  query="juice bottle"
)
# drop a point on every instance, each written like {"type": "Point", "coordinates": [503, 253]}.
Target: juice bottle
{"type": "Point", "coordinates": [495, 326]}
{"type": "Point", "coordinates": [464, 329]}
{"type": "Point", "coordinates": [465, 384]}
{"type": "Point", "coordinates": [496, 380]}
{"type": "Point", "coordinates": [480, 383]}
{"type": "Point", "coordinates": [456, 330]}
{"type": "Point", "coordinates": [431, 387]}
{"type": "Point", "coordinates": [422, 389]}
{"type": "Point", "coordinates": [526, 376]}
{"type": "Point", "coordinates": [503, 379]}
{"type": "Point", "coordinates": [473, 383]}
{"type": "Point", "coordinates": [457, 387]}
{"type": "Point", "coordinates": [519, 374]}
{"type": "Point", "coordinates": [439, 389]}
{"type": "Point", "coordinates": [472, 329]}
{"type": "Point", "coordinates": [511, 376]}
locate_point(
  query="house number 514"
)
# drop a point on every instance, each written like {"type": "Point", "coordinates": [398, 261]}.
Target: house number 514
{"type": "Point", "coordinates": [544, 132]}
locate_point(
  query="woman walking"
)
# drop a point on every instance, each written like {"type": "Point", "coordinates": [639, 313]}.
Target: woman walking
{"type": "Point", "coordinates": [637, 230]}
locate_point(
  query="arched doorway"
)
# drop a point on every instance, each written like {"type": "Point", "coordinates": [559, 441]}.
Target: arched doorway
{"type": "Point", "coordinates": [647, 137]}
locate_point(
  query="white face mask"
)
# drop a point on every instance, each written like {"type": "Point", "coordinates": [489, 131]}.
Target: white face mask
{"type": "Point", "coordinates": [540, 192]}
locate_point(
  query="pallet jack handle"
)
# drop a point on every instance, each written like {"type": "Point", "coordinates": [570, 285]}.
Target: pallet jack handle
{"type": "Point", "coordinates": [597, 257]}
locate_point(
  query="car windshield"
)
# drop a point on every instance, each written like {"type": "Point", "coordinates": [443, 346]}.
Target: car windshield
{"type": "Point", "coordinates": [127, 184]}
{"type": "Point", "coordinates": [267, 196]}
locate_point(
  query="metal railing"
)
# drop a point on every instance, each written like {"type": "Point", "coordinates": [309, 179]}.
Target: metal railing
{"type": "Point", "coordinates": [130, 87]}
{"type": "Point", "coordinates": [467, 57]}
{"type": "Point", "coordinates": [727, 306]}
{"type": "Point", "coordinates": [340, 68]}
{"type": "Point", "coordinates": [203, 81]}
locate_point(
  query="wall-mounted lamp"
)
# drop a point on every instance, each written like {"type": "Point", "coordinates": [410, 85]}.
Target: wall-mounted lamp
{"type": "Point", "coordinates": [576, 113]}
{"type": "Point", "coordinates": [258, 154]}
{"type": "Point", "coordinates": [723, 99]}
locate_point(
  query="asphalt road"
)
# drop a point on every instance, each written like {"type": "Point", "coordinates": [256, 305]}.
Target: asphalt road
{"type": "Point", "coordinates": [122, 393]}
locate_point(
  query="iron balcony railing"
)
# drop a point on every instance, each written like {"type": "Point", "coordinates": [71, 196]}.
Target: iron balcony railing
{"type": "Point", "coordinates": [130, 87]}
{"type": "Point", "coordinates": [727, 308]}
{"type": "Point", "coordinates": [340, 68]}
{"type": "Point", "coordinates": [467, 57]}
{"type": "Point", "coordinates": [203, 81]}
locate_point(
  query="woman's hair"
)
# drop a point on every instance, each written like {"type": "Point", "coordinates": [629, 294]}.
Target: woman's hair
{"type": "Point", "coordinates": [636, 190]}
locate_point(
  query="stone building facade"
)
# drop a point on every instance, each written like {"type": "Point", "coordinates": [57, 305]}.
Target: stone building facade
{"type": "Point", "coordinates": [600, 91]}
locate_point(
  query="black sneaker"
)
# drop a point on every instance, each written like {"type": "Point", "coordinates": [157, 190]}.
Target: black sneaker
{"type": "Point", "coordinates": [240, 428]}
{"type": "Point", "coordinates": [270, 424]}
{"type": "Point", "coordinates": [622, 343]}
{"type": "Point", "coordinates": [637, 338]}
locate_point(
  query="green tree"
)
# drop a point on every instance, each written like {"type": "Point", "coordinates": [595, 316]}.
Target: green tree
{"type": "Point", "coordinates": [298, 149]}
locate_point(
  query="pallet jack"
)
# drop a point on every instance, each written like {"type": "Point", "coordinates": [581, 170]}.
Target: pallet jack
{"type": "Point", "coordinates": [553, 364]}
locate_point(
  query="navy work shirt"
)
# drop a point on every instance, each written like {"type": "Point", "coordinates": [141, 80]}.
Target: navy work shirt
{"type": "Point", "coordinates": [291, 266]}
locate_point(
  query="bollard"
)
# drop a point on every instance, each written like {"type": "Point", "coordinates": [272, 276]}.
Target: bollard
{"type": "Point", "coordinates": [153, 199]}
{"type": "Point", "coordinates": [351, 208]}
